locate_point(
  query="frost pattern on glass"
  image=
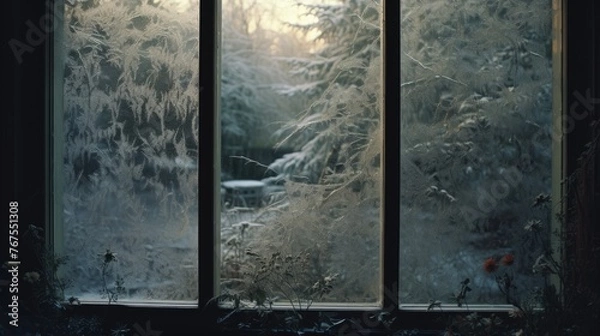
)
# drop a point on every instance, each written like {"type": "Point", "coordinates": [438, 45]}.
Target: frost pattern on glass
{"type": "Point", "coordinates": [476, 141]}
{"type": "Point", "coordinates": [301, 89]}
{"type": "Point", "coordinates": [130, 149]}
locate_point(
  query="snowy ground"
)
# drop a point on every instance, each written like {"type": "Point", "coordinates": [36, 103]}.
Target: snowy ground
{"type": "Point", "coordinates": [157, 257]}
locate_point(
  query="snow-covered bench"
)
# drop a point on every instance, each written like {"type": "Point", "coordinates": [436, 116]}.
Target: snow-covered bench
{"type": "Point", "coordinates": [243, 193]}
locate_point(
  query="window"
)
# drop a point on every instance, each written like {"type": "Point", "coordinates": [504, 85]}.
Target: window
{"type": "Point", "coordinates": [131, 140]}
{"type": "Point", "coordinates": [443, 105]}
{"type": "Point", "coordinates": [304, 80]}
{"type": "Point", "coordinates": [476, 149]}
{"type": "Point", "coordinates": [476, 128]}
{"type": "Point", "coordinates": [128, 205]}
{"type": "Point", "coordinates": [475, 119]}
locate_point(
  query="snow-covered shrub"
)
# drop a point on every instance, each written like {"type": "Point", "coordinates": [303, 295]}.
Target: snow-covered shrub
{"type": "Point", "coordinates": [475, 149]}
{"type": "Point", "coordinates": [475, 140]}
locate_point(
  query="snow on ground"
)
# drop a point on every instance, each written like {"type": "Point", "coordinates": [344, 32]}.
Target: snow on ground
{"type": "Point", "coordinates": [157, 258]}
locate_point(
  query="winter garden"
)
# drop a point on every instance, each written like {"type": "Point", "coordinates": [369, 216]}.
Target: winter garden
{"type": "Point", "coordinates": [301, 144]}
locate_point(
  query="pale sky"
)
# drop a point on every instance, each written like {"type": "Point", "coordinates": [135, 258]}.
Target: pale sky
{"type": "Point", "coordinates": [275, 13]}
{"type": "Point", "coordinates": [284, 11]}
{"type": "Point", "coordinates": [287, 10]}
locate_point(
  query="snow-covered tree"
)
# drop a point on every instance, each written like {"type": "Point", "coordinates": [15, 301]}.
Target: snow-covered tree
{"type": "Point", "coordinates": [476, 137]}
{"type": "Point", "coordinates": [332, 181]}
{"type": "Point", "coordinates": [338, 131]}
{"type": "Point", "coordinates": [250, 107]}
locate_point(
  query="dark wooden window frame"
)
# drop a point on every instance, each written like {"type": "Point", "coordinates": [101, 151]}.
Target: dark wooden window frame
{"type": "Point", "coordinates": [29, 128]}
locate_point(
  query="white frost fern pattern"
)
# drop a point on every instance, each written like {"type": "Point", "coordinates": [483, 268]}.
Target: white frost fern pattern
{"type": "Point", "coordinates": [130, 147]}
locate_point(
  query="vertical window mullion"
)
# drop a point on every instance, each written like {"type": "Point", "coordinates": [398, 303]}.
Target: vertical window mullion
{"type": "Point", "coordinates": [209, 152]}
{"type": "Point", "coordinates": [391, 153]}
{"type": "Point", "coordinates": [559, 145]}
{"type": "Point", "coordinates": [54, 231]}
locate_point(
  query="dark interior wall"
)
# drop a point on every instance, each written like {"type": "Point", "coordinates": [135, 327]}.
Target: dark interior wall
{"type": "Point", "coordinates": [583, 157]}
{"type": "Point", "coordinates": [24, 45]}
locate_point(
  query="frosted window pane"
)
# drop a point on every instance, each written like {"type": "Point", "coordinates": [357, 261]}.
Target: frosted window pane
{"type": "Point", "coordinates": [301, 144]}
{"type": "Point", "coordinates": [130, 149]}
{"type": "Point", "coordinates": [475, 148]}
